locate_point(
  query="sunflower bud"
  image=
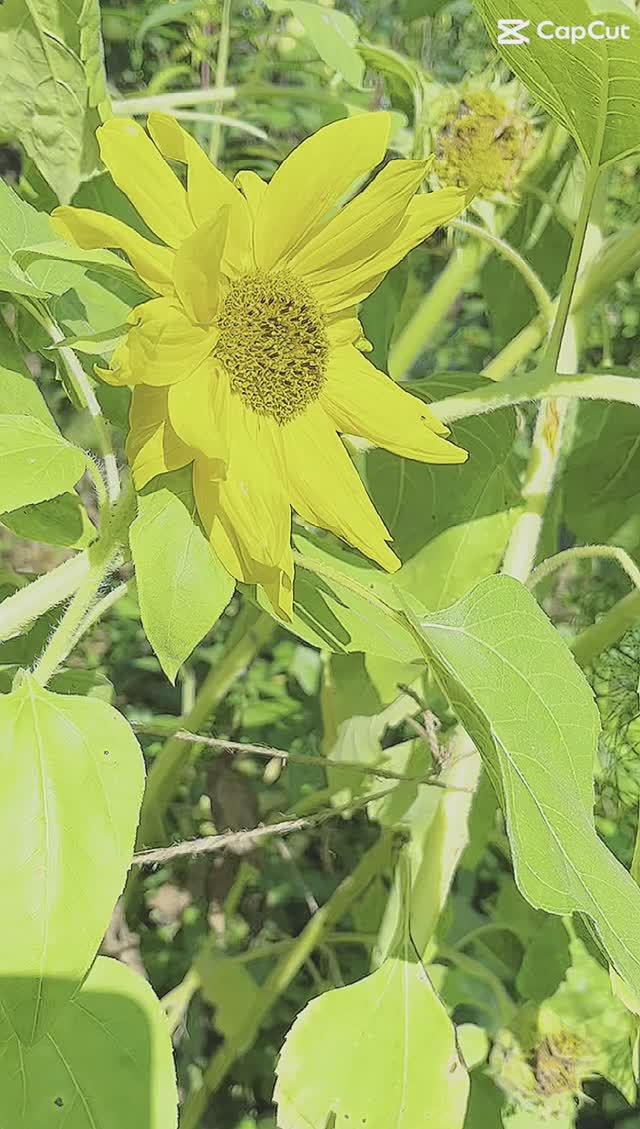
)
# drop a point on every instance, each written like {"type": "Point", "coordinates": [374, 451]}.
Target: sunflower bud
{"type": "Point", "coordinates": [482, 142]}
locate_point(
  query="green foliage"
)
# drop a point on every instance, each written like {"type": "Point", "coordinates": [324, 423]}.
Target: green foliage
{"type": "Point", "coordinates": [367, 1053]}
{"type": "Point", "coordinates": [178, 607]}
{"type": "Point", "coordinates": [522, 698]}
{"type": "Point", "coordinates": [591, 88]}
{"type": "Point", "coordinates": [51, 60]}
{"type": "Point", "coordinates": [69, 752]}
{"type": "Point", "coordinates": [114, 1020]}
{"type": "Point", "coordinates": [431, 776]}
{"type": "Point", "coordinates": [35, 463]}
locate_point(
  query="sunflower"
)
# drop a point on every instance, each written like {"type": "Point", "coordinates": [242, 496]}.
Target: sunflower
{"type": "Point", "coordinates": [249, 362]}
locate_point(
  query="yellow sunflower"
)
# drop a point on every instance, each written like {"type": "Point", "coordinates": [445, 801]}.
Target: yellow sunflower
{"type": "Point", "coordinates": [249, 364]}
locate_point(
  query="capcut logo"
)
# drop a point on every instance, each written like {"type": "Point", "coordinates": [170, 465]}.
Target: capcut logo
{"type": "Point", "coordinates": [510, 32]}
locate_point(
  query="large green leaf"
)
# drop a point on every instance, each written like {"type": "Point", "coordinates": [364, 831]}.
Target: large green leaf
{"type": "Point", "coordinates": [450, 524]}
{"type": "Point", "coordinates": [379, 1053]}
{"type": "Point", "coordinates": [331, 615]}
{"type": "Point", "coordinates": [72, 783]}
{"type": "Point", "coordinates": [50, 60]}
{"type": "Point", "coordinates": [182, 587]}
{"type": "Point", "coordinates": [530, 711]}
{"type": "Point", "coordinates": [105, 1064]}
{"type": "Point", "coordinates": [591, 87]}
{"type": "Point", "coordinates": [35, 463]}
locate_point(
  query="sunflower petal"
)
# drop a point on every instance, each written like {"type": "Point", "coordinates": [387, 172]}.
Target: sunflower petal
{"type": "Point", "coordinates": [197, 268]}
{"type": "Point", "coordinates": [326, 490]}
{"type": "Point", "coordinates": [208, 190]}
{"type": "Point", "coordinates": [313, 178]}
{"type": "Point", "coordinates": [247, 514]}
{"type": "Point", "coordinates": [152, 445]}
{"type": "Point", "coordinates": [363, 401]}
{"type": "Point", "coordinates": [341, 287]}
{"type": "Point", "coordinates": [253, 188]}
{"type": "Point", "coordinates": [145, 177]}
{"type": "Point", "coordinates": [365, 226]}
{"type": "Point", "coordinates": [162, 347]}
{"type": "Point", "coordinates": [199, 412]}
{"type": "Point", "coordinates": [89, 229]}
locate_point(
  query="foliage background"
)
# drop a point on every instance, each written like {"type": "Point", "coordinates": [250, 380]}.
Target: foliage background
{"type": "Point", "coordinates": [206, 931]}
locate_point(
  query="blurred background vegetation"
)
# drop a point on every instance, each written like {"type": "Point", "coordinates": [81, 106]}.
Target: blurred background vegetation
{"type": "Point", "coordinates": [206, 931]}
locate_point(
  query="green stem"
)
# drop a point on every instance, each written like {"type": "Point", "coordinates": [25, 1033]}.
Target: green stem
{"type": "Point", "coordinates": [86, 395]}
{"type": "Point", "coordinates": [581, 552]}
{"type": "Point", "coordinates": [530, 276]}
{"type": "Point", "coordinates": [250, 633]}
{"type": "Point", "coordinates": [538, 385]}
{"type": "Point", "coordinates": [516, 351]}
{"type": "Point", "coordinates": [102, 555]}
{"type": "Point", "coordinates": [615, 623]}
{"type": "Point", "coordinates": [222, 64]}
{"type": "Point", "coordinates": [570, 277]}
{"type": "Point", "coordinates": [17, 612]}
{"type": "Point", "coordinates": [464, 263]}
{"type": "Point", "coordinates": [314, 933]}
{"type": "Point", "coordinates": [480, 972]}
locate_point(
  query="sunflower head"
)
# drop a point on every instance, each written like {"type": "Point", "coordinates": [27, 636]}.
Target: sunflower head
{"type": "Point", "coordinates": [482, 140]}
{"type": "Point", "coordinates": [248, 363]}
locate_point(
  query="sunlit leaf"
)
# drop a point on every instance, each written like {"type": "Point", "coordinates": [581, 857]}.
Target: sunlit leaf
{"type": "Point", "coordinates": [35, 463]}
{"type": "Point", "coordinates": [72, 785]}
{"type": "Point", "coordinates": [182, 587]}
{"type": "Point", "coordinates": [379, 1053]}
{"type": "Point", "coordinates": [529, 709]}
{"type": "Point", "coordinates": [106, 1063]}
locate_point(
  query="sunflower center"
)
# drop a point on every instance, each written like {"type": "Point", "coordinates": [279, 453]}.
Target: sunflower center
{"type": "Point", "coordinates": [273, 344]}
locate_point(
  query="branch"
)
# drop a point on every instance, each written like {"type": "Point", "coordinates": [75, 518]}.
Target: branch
{"type": "Point", "coordinates": [302, 758]}
{"type": "Point", "coordinates": [230, 840]}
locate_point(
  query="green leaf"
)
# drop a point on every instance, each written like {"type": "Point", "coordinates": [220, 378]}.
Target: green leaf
{"type": "Point", "coordinates": [330, 615]}
{"type": "Point", "coordinates": [450, 525]}
{"type": "Point", "coordinates": [529, 709]}
{"type": "Point", "coordinates": [72, 785]}
{"type": "Point", "coordinates": [592, 87]}
{"type": "Point", "coordinates": [35, 463]}
{"type": "Point", "coordinates": [182, 587]}
{"type": "Point", "coordinates": [379, 1053]}
{"type": "Point", "coordinates": [20, 395]}
{"type": "Point", "coordinates": [25, 647]}
{"type": "Point", "coordinates": [228, 986]}
{"type": "Point", "coordinates": [602, 478]}
{"type": "Point", "coordinates": [333, 34]}
{"type": "Point", "coordinates": [545, 962]}
{"type": "Point", "coordinates": [50, 62]}
{"type": "Point", "coordinates": [418, 9]}
{"type": "Point", "coordinates": [173, 12]}
{"type": "Point", "coordinates": [60, 521]}
{"type": "Point", "coordinates": [106, 1064]}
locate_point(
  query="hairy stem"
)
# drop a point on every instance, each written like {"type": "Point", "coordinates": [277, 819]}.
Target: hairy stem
{"type": "Point", "coordinates": [101, 555]}
{"type": "Point", "coordinates": [17, 612]}
{"type": "Point", "coordinates": [591, 642]}
{"type": "Point", "coordinates": [530, 276]}
{"type": "Point", "coordinates": [582, 552]}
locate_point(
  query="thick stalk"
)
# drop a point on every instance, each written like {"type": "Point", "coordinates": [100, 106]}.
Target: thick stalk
{"type": "Point", "coordinates": [464, 263]}
{"type": "Point", "coordinates": [538, 385]}
{"type": "Point", "coordinates": [222, 64]}
{"type": "Point", "coordinates": [17, 612]}
{"type": "Point", "coordinates": [250, 633]}
{"type": "Point", "coordinates": [102, 555]}
{"type": "Point", "coordinates": [607, 631]}
{"type": "Point", "coordinates": [371, 864]}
